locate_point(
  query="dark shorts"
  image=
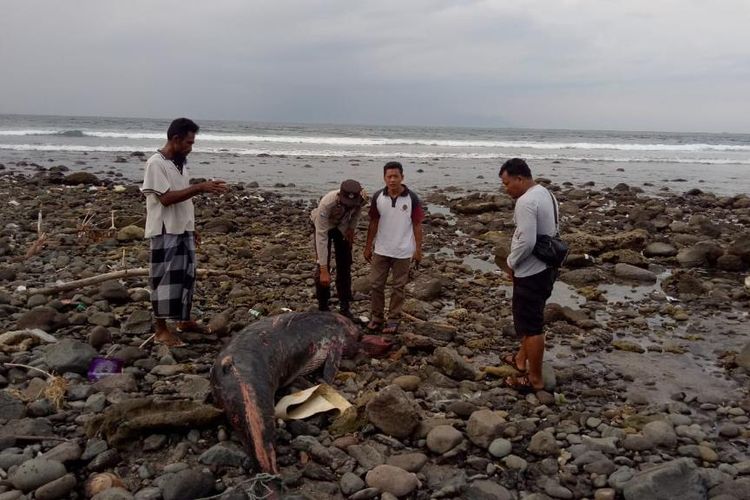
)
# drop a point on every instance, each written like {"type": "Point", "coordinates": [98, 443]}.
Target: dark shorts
{"type": "Point", "coordinates": [530, 294]}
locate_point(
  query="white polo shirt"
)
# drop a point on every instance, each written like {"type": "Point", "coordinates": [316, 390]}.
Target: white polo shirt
{"type": "Point", "coordinates": [396, 219]}
{"type": "Point", "coordinates": [162, 175]}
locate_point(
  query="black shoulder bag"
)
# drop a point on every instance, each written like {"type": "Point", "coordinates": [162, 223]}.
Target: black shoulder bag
{"type": "Point", "coordinates": [551, 250]}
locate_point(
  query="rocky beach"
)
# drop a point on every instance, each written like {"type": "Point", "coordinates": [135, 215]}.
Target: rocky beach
{"type": "Point", "coordinates": [647, 367]}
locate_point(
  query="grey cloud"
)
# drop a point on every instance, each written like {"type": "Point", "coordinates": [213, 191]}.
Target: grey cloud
{"type": "Point", "coordinates": [539, 63]}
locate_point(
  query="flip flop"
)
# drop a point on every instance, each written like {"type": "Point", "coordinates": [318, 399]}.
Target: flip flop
{"type": "Point", "coordinates": [391, 328]}
{"type": "Point", "coordinates": [510, 360]}
{"type": "Point", "coordinates": [521, 384]}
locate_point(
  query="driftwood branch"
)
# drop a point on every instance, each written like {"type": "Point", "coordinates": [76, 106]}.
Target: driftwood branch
{"type": "Point", "coordinates": [124, 273]}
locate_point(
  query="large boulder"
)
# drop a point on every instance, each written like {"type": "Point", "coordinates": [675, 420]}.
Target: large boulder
{"type": "Point", "coordinates": [35, 473]}
{"type": "Point", "coordinates": [453, 364]}
{"type": "Point", "coordinates": [77, 178]}
{"type": "Point", "coordinates": [69, 355]}
{"type": "Point", "coordinates": [741, 247]}
{"type": "Point", "coordinates": [477, 203]}
{"type": "Point", "coordinates": [221, 225]}
{"type": "Point", "coordinates": [581, 242]}
{"type": "Point", "coordinates": [130, 233]}
{"type": "Point", "coordinates": [659, 249]}
{"type": "Point", "coordinates": [743, 357]}
{"type": "Point", "coordinates": [584, 276]}
{"type": "Point", "coordinates": [484, 427]}
{"type": "Point", "coordinates": [392, 412]}
{"type": "Point", "coordinates": [633, 273]}
{"type": "Point", "coordinates": [675, 479]}
{"type": "Point", "coordinates": [703, 253]}
{"type": "Point", "coordinates": [428, 288]}
{"type": "Point", "coordinates": [44, 318]}
{"type": "Point", "coordinates": [114, 292]}
{"type": "Point", "coordinates": [393, 480]}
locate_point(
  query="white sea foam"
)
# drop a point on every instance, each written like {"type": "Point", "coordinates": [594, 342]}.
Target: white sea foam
{"type": "Point", "coordinates": [381, 154]}
{"type": "Point", "coordinates": [383, 141]}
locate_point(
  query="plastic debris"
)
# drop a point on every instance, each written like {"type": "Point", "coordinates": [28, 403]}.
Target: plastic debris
{"type": "Point", "coordinates": [303, 404]}
{"type": "Point", "coordinates": [104, 367]}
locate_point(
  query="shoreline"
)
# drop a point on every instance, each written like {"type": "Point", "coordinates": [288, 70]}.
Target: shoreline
{"type": "Point", "coordinates": [310, 175]}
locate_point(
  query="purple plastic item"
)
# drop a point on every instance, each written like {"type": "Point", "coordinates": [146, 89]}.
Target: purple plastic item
{"type": "Point", "coordinates": [104, 367]}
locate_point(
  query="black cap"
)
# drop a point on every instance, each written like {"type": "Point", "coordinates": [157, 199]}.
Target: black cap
{"type": "Point", "coordinates": [350, 193]}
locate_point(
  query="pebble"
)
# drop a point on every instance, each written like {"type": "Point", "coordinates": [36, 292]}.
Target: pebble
{"type": "Point", "coordinates": [443, 438]}
{"type": "Point", "coordinates": [59, 488]}
{"type": "Point", "coordinates": [411, 462]}
{"type": "Point", "coordinates": [350, 483]}
{"type": "Point", "coordinates": [484, 426]}
{"type": "Point", "coordinates": [35, 473]}
{"type": "Point", "coordinates": [392, 480]}
{"type": "Point", "coordinates": [500, 448]}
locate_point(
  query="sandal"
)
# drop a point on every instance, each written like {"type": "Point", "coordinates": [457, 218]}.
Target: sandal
{"type": "Point", "coordinates": [510, 360]}
{"type": "Point", "coordinates": [521, 384]}
{"type": "Point", "coordinates": [391, 328]}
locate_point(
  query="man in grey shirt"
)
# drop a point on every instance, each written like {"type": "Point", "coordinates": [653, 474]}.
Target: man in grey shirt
{"type": "Point", "coordinates": [534, 214]}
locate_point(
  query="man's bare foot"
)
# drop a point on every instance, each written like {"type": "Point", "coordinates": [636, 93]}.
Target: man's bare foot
{"type": "Point", "coordinates": [168, 338]}
{"type": "Point", "coordinates": [192, 326]}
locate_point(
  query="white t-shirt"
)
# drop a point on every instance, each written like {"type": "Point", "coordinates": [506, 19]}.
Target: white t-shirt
{"type": "Point", "coordinates": [162, 175]}
{"type": "Point", "coordinates": [396, 218]}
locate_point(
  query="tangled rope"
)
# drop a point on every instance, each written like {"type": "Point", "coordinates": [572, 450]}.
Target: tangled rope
{"type": "Point", "coordinates": [250, 486]}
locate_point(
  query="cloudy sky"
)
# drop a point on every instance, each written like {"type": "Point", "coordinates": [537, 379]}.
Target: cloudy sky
{"type": "Point", "coordinates": [681, 65]}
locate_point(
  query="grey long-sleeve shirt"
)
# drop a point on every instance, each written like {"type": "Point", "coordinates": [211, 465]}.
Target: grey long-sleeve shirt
{"type": "Point", "coordinates": [533, 215]}
{"type": "Point", "coordinates": [328, 215]}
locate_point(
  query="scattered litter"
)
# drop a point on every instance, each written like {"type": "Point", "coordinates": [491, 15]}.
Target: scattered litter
{"type": "Point", "coordinates": [119, 188]}
{"type": "Point", "coordinates": [21, 288]}
{"type": "Point", "coordinates": [256, 313]}
{"type": "Point", "coordinates": [317, 399]}
{"type": "Point", "coordinates": [14, 203]}
{"type": "Point", "coordinates": [104, 367]}
{"type": "Point", "coordinates": [149, 339]}
{"type": "Point", "coordinates": [286, 309]}
{"type": "Point", "coordinates": [747, 282]}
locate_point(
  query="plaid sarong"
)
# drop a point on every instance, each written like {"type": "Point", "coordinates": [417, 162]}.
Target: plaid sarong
{"type": "Point", "coordinates": [172, 275]}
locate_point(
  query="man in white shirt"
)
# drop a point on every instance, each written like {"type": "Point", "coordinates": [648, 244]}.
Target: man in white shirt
{"type": "Point", "coordinates": [394, 238]}
{"type": "Point", "coordinates": [335, 220]}
{"type": "Point", "coordinates": [534, 214]}
{"type": "Point", "coordinates": [170, 227]}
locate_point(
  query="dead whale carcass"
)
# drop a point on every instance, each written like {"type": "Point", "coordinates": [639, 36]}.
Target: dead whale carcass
{"type": "Point", "coordinates": [270, 354]}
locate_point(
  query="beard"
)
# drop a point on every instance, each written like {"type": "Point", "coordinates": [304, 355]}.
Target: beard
{"type": "Point", "coordinates": [179, 159]}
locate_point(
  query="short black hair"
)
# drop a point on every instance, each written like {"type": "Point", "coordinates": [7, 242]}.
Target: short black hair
{"type": "Point", "coordinates": [181, 127]}
{"type": "Point", "coordinates": [516, 166]}
{"type": "Point", "coordinates": [393, 164]}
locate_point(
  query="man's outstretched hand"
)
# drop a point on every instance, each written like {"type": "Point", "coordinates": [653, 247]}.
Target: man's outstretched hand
{"type": "Point", "coordinates": [214, 187]}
